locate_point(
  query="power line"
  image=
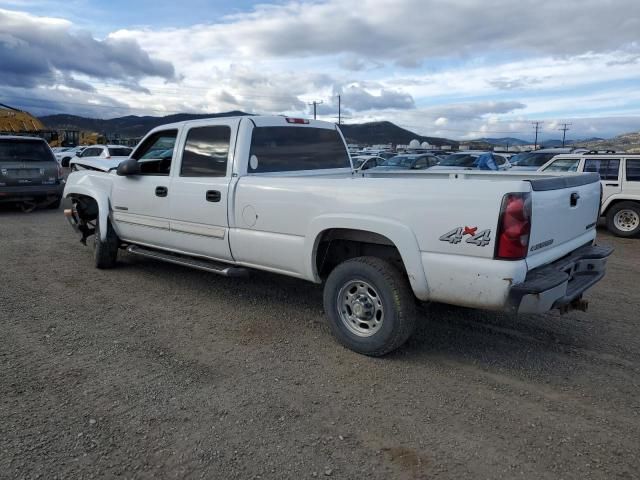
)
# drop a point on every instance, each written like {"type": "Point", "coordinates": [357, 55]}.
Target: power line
{"type": "Point", "coordinates": [565, 127]}
{"type": "Point", "coordinates": [538, 128]}
{"type": "Point", "coordinates": [315, 104]}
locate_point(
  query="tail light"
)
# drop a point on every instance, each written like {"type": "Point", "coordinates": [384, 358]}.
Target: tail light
{"type": "Point", "coordinates": [300, 121]}
{"type": "Point", "coordinates": [60, 171]}
{"type": "Point", "coordinates": [514, 227]}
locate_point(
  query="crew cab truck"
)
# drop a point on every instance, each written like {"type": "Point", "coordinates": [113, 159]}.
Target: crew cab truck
{"type": "Point", "coordinates": [228, 195]}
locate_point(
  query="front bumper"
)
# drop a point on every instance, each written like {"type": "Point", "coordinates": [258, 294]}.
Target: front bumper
{"type": "Point", "coordinates": [561, 283]}
{"type": "Point", "coordinates": [30, 192]}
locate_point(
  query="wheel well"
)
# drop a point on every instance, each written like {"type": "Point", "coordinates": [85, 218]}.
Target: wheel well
{"type": "Point", "coordinates": [339, 244]}
{"type": "Point", "coordinates": [86, 206]}
{"type": "Point", "coordinates": [619, 200]}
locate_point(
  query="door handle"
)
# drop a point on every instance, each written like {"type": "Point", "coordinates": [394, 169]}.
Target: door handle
{"type": "Point", "coordinates": [612, 184]}
{"type": "Point", "coordinates": [161, 191]}
{"type": "Point", "coordinates": [213, 196]}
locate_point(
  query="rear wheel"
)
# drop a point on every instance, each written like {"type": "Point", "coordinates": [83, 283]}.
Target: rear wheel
{"type": "Point", "coordinates": [623, 219]}
{"type": "Point", "coordinates": [65, 161]}
{"type": "Point", "coordinates": [370, 306]}
{"type": "Point", "coordinates": [105, 251]}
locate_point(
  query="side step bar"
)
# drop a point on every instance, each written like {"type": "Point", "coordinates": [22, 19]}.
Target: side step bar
{"type": "Point", "coordinates": [197, 263]}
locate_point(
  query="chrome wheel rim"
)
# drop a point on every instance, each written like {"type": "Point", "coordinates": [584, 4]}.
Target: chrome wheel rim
{"type": "Point", "coordinates": [626, 220]}
{"type": "Point", "coordinates": [360, 308]}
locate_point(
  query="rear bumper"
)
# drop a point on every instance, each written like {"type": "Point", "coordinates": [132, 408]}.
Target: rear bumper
{"type": "Point", "coordinates": [30, 192]}
{"type": "Point", "coordinates": [560, 283]}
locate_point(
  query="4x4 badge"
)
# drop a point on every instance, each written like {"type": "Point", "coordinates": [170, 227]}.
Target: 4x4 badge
{"type": "Point", "coordinates": [455, 236]}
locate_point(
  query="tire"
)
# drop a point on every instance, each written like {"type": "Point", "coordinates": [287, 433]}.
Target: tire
{"type": "Point", "coordinates": [623, 219]}
{"type": "Point", "coordinates": [56, 204]}
{"type": "Point", "coordinates": [65, 161]}
{"type": "Point", "coordinates": [105, 252]}
{"type": "Point", "coordinates": [385, 317]}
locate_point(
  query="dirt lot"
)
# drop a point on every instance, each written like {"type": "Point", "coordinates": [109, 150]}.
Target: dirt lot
{"type": "Point", "coordinates": [157, 371]}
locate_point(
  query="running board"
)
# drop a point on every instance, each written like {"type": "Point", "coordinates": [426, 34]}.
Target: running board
{"type": "Point", "coordinates": [197, 263]}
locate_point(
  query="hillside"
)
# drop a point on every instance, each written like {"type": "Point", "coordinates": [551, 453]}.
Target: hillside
{"type": "Point", "coordinates": [628, 142]}
{"type": "Point", "coordinates": [129, 126]}
{"type": "Point", "coordinates": [386, 132]}
{"type": "Point", "coordinates": [134, 126]}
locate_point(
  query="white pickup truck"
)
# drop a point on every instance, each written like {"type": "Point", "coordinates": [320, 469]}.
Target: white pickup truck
{"type": "Point", "coordinates": [279, 194]}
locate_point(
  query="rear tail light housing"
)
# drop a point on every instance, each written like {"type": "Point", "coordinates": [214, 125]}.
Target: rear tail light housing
{"type": "Point", "coordinates": [60, 171]}
{"type": "Point", "coordinates": [300, 121]}
{"type": "Point", "coordinates": [514, 226]}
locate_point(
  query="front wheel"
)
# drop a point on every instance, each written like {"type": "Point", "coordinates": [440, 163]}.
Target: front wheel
{"type": "Point", "coordinates": [623, 219]}
{"type": "Point", "coordinates": [105, 252]}
{"type": "Point", "coordinates": [370, 306]}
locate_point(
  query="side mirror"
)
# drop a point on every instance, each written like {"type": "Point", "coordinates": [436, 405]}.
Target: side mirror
{"type": "Point", "coordinates": [127, 167]}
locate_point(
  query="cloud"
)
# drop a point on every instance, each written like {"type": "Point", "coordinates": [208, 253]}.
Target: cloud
{"type": "Point", "coordinates": [359, 99]}
{"type": "Point", "coordinates": [37, 51]}
{"type": "Point", "coordinates": [407, 32]}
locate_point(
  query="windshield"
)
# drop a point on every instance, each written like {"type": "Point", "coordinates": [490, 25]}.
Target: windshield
{"type": "Point", "coordinates": [24, 151]}
{"type": "Point", "coordinates": [120, 152]}
{"type": "Point", "coordinates": [532, 159]}
{"type": "Point", "coordinates": [459, 160]}
{"type": "Point", "coordinates": [399, 161]}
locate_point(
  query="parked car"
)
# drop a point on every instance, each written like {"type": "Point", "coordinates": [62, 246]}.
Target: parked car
{"type": "Point", "coordinates": [67, 155]}
{"type": "Point", "coordinates": [30, 175]}
{"type": "Point", "coordinates": [409, 162]}
{"type": "Point", "coordinates": [365, 162]}
{"type": "Point", "coordinates": [468, 161]}
{"type": "Point", "coordinates": [620, 179]}
{"type": "Point", "coordinates": [96, 155]}
{"type": "Point", "coordinates": [279, 194]}
{"type": "Point", "coordinates": [532, 161]}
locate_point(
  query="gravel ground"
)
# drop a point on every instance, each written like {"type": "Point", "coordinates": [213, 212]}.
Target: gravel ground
{"type": "Point", "coordinates": [153, 370]}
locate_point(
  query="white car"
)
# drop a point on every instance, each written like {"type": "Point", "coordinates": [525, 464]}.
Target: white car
{"type": "Point", "coordinates": [97, 156]}
{"type": "Point", "coordinates": [68, 154]}
{"type": "Point", "coordinates": [228, 195]}
{"type": "Point", "coordinates": [620, 179]}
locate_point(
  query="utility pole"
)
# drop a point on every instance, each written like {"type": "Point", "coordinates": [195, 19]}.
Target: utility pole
{"type": "Point", "coordinates": [315, 104]}
{"type": "Point", "coordinates": [538, 128]}
{"type": "Point", "coordinates": [339, 110]}
{"type": "Point", "coordinates": [565, 127]}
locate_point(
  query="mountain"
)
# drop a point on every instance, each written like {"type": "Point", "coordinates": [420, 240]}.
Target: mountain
{"type": "Point", "coordinates": [627, 142]}
{"type": "Point", "coordinates": [133, 126]}
{"type": "Point", "coordinates": [386, 132]}
{"type": "Point", "coordinates": [501, 142]}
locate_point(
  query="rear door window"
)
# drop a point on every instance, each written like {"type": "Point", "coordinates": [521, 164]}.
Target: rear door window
{"type": "Point", "coordinates": [120, 151]}
{"type": "Point", "coordinates": [608, 168]}
{"type": "Point", "coordinates": [287, 149]}
{"type": "Point", "coordinates": [633, 170]}
{"type": "Point", "coordinates": [206, 151]}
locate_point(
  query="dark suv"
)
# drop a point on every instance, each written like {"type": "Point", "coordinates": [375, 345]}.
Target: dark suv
{"type": "Point", "coordinates": [30, 175]}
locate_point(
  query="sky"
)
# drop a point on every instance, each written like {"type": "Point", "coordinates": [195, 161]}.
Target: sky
{"type": "Point", "coordinates": [459, 69]}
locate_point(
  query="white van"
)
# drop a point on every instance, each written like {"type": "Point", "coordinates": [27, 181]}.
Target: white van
{"type": "Point", "coordinates": [620, 179]}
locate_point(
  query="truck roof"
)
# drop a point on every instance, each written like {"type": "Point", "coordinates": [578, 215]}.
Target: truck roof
{"type": "Point", "coordinates": [258, 121]}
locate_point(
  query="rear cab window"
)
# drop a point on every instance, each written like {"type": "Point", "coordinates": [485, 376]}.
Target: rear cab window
{"type": "Point", "coordinates": [289, 149]}
{"type": "Point", "coordinates": [119, 151]}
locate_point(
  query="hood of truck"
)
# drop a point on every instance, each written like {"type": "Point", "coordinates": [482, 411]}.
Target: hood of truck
{"type": "Point", "coordinates": [97, 163]}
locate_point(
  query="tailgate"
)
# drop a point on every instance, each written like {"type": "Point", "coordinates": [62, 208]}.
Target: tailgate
{"type": "Point", "coordinates": [564, 211]}
{"type": "Point", "coordinates": [28, 173]}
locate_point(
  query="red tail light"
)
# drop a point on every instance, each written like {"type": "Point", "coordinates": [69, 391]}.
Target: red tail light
{"type": "Point", "coordinates": [514, 226]}
{"type": "Point", "coordinates": [301, 121]}
{"type": "Point", "coordinates": [60, 171]}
